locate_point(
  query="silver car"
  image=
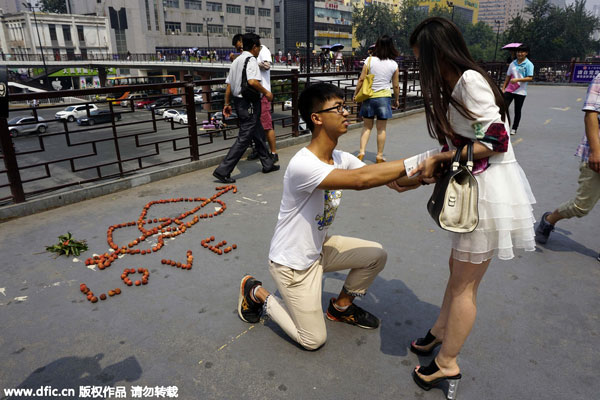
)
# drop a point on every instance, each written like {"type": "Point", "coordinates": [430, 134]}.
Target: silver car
{"type": "Point", "coordinates": [26, 124]}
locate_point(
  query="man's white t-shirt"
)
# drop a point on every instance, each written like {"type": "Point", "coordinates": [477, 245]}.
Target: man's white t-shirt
{"type": "Point", "coordinates": [265, 55]}
{"type": "Point", "coordinates": [306, 212]}
{"type": "Point", "coordinates": [234, 78]}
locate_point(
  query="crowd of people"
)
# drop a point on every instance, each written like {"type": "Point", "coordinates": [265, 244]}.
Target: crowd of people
{"type": "Point", "coordinates": [462, 106]}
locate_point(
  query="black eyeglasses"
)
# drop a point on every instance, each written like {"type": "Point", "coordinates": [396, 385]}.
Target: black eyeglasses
{"type": "Point", "coordinates": [340, 108]}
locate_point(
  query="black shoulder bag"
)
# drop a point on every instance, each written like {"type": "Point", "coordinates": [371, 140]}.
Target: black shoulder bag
{"type": "Point", "coordinates": [249, 94]}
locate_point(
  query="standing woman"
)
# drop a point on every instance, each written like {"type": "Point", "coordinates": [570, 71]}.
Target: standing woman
{"type": "Point", "coordinates": [463, 105]}
{"type": "Point", "coordinates": [385, 70]}
{"type": "Point", "coordinates": [519, 72]}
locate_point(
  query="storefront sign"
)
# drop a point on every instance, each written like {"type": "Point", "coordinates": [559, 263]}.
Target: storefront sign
{"type": "Point", "coordinates": [584, 73]}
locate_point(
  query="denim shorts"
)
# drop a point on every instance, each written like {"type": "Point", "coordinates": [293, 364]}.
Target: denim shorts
{"type": "Point", "coordinates": [380, 107]}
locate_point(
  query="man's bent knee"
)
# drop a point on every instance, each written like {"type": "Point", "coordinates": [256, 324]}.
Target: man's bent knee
{"type": "Point", "coordinates": [312, 340]}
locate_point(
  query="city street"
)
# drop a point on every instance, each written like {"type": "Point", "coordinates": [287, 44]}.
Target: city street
{"type": "Point", "coordinates": [536, 334]}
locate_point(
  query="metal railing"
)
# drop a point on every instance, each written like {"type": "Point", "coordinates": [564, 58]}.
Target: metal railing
{"type": "Point", "coordinates": [130, 137]}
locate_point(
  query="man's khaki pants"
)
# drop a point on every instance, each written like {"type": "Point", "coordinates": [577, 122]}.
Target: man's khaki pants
{"type": "Point", "coordinates": [301, 314]}
{"type": "Point", "coordinates": [587, 195]}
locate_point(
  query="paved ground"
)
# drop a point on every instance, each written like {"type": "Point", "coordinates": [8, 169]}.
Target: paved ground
{"type": "Point", "coordinates": [536, 335]}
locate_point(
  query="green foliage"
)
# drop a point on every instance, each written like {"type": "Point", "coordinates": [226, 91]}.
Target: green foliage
{"type": "Point", "coordinates": [68, 246]}
{"type": "Point", "coordinates": [554, 33]}
{"type": "Point", "coordinates": [371, 22]}
{"type": "Point", "coordinates": [54, 6]}
{"type": "Point", "coordinates": [376, 20]}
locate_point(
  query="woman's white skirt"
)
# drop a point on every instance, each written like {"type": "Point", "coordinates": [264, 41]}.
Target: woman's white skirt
{"type": "Point", "coordinates": [506, 217]}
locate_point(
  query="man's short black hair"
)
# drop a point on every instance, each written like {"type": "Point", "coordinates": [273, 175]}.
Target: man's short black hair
{"type": "Point", "coordinates": [236, 38]}
{"type": "Point", "coordinates": [249, 40]}
{"type": "Point", "coordinates": [314, 97]}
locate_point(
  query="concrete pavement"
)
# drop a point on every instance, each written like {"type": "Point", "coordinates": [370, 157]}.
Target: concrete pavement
{"type": "Point", "coordinates": [535, 337]}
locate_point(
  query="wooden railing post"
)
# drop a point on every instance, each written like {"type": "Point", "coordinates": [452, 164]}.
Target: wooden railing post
{"type": "Point", "coordinates": [295, 119]}
{"type": "Point", "coordinates": [10, 162]}
{"type": "Point", "coordinates": [191, 113]}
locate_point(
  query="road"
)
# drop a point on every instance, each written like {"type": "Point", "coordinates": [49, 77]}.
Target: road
{"type": "Point", "coordinates": [536, 334]}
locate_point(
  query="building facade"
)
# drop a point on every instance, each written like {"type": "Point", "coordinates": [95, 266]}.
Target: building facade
{"type": "Point", "coordinates": [57, 36]}
{"type": "Point", "coordinates": [171, 26]}
{"type": "Point", "coordinates": [493, 13]}
{"type": "Point", "coordinates": [468, 10]}
{"type": "Point", "coordinates": [333, 23]}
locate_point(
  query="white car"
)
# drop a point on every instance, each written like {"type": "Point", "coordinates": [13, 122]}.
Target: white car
{"type": "Point", "coordinates": [176, 116]}
{"type": "Point", "coordinates": [197, 98]}
{"type": "Point", "coordinates": [287, 105]}
{"type": "Point", "coordinates": [71, 113]}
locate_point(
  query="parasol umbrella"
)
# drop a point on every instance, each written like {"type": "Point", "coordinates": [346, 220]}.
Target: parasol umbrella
{"type": "Point", "coordinates": [337, 46]}
{"type": "Point", "coordinates": [372, 46]}
{"type": "Point", "coordinates": [326, 46]}
{"type": "Point", "coordinates": [512, 46]}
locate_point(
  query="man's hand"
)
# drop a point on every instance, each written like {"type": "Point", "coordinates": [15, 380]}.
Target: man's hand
{"type": "Point", "coordinates": [514, 80]}
{"type": "Point", "coordinates": [227, 111]}
{"type": "Point", "coordinates": [594, 161]}
{"type": "Point", "coordinates": [269, 96]}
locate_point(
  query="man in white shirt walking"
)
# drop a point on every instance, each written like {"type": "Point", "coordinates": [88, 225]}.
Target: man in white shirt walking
{"type": "Point", "coordinates": [301, 248]}
{"type": "Point", "coordinates": [248, 110]}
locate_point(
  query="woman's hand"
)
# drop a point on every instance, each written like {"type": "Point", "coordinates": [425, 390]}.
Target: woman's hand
{"type": "Point", "coordinates": [398, 188]}
{"type": "Point", "coordinates": [396, 105]}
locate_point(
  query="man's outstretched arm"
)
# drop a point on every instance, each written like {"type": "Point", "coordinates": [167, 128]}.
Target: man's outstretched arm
{"type": "Point", "coordinates": [367, 177]}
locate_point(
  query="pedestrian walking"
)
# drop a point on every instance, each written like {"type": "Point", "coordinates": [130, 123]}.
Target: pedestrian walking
{"type": "Point", "coordinates": [247, 108]}
{"type": "Point", "coordinates": [264, 63]}
{"type": "Point", "coordinates": [301, 249]}
{"type": "Point", "coordinates": [519, 73]}
{"type": "Point", "coordinates": [463, 105]}
{"type": "Point", "coordinates": [588, 192]}
{"type": "Point", "coordinates": [385, 74]}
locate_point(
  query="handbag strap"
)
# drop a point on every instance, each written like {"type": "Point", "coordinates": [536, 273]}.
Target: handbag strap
{"type": "Point", "coordinates": [469, 162]}
{"type": "Point", "coordinates": [369, 65]}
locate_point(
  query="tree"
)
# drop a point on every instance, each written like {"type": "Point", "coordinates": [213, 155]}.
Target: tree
{"type": "Point", "coordinates": [554, 33]}
{"type": "Point", "coordinates": [371, 22]}
{"type": "Point", "coordinates": [54, 6]}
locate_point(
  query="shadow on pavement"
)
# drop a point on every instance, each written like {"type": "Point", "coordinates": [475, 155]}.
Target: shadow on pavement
{"type": "Point", "coordinates": [73, 372]}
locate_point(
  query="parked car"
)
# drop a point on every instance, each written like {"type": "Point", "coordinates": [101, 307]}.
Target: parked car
{"type": "Point", "coordinates": [198, 99]}
{"type": "Point", "coordinates": [176, 116]}
{"type": "Point", "coordinates": [98, 117]}
{"type": "Point", "coordinates": [71, 113]}
{"type": "Point", "coordinates": [159, 105]}
{"type": "Point", "coordinates": [287, 105]}
{"type": "Point", "coordinates": [143, 103]}
{"type": "Point", "coordinates": [26, 124]}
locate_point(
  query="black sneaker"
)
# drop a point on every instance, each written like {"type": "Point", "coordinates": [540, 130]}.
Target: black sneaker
{"type": "Point", "coordinates": [542, 231]}
{"type": "Point", "coordinates": [275, 157]}
{"type": "Point", "coordinates": [598, 257]}
{"type": "Point", "coordinates": [354, 315]}
{"type": "Point", "coordinates": [248, 310]}
{"type": "Point", "coordinates": [253, 154]}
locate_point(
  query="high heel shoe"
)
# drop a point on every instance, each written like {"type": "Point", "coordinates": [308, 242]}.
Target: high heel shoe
{"type": "Point", "coordinates": [431, 369]}
{"type": "Point", "coordinates": [428, 340]}
{"type": "Point", "coordinates": [379, 159]}
{"type": "Point", "coordinates": [360, 156]}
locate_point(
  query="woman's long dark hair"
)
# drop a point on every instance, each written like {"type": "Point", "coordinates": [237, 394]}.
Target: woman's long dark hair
{"type": "Point", "coordinates": [384, 48]}
{"type": "Point", "coordinates": [439, 42]}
